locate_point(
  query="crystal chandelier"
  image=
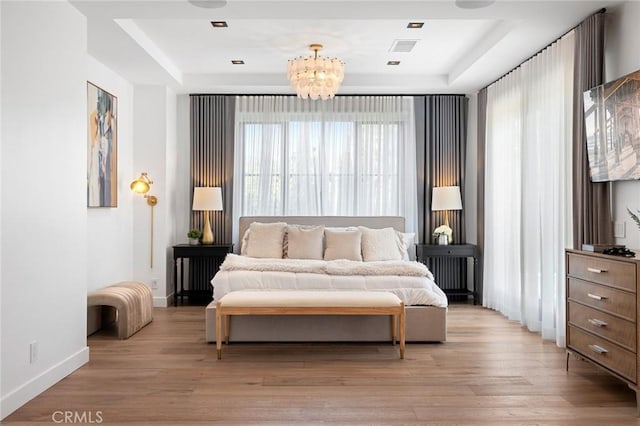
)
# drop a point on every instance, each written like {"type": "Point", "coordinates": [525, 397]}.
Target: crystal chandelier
{"type": "Point", "coordinates": [315, 76]}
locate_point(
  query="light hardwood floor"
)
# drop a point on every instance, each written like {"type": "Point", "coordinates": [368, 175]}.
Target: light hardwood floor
{"type": "Point", "coordinates": [489, 372]}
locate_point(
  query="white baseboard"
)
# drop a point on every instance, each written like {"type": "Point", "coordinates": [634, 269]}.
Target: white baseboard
{"type": "Point", "coordinates": [162, 302]}
{"type": "Point", "coordinates": [34, 387]}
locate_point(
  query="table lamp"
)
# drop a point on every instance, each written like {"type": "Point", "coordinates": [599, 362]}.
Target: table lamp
{"type": "Point", "coordinates": [207, 199]}
{"type": "Point", "coordinates": [446, 198]}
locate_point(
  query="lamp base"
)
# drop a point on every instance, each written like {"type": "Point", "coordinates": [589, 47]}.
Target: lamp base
{"type": "Point", "coordinates": [207, 234]}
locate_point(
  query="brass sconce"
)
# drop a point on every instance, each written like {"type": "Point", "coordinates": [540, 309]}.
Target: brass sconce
{"type": "Point", "coordinates": [142, 185]}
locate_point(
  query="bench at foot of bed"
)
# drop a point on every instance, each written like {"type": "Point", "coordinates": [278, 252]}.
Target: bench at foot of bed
{"type": "Point", "coordinates": [424, 324]}
{"type": "Point", "coordinates": [310, 303]}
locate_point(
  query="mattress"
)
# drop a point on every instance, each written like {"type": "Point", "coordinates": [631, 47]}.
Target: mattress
{"type": "Point", "coordinates": [412, 290]}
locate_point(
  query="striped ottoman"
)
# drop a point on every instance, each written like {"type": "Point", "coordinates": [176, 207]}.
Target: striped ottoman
{"type": "Point", "coordinates": [133, 303]}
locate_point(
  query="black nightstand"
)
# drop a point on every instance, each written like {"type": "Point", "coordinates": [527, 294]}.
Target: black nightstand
{"type": "Point", "coordinates": [426, 252]}
{"type": "Point", "coordinates": [204, 262]}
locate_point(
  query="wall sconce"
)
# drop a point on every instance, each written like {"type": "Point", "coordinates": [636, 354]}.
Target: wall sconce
{"type": "Point", "coordinates": [207, 199]}
{"type": "Point", "coordinates": [142, 185]}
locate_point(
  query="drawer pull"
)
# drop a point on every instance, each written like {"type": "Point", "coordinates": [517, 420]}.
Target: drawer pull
{"type": "Point", "coordinates": [595, 296]}
{"type": "Point", "coordinates": [598, 349]}
{"type": "Point", "coordinates": [597, 322]}
{"type": "Point", "coordinates": [596, 271]}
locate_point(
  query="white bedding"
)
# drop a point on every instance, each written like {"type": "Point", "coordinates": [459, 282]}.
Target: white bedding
{"type": "Point", "coordinates": [410, 281]}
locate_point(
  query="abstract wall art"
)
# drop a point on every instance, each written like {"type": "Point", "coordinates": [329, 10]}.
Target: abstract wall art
{"type": "Point", "coordinates": [102, 149]}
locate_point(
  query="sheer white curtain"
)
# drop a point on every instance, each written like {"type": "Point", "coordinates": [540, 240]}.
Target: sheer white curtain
{"type": "Point", "coordinates": [528, 190]}
{"type": "Point", "coordinates": [352, 155]}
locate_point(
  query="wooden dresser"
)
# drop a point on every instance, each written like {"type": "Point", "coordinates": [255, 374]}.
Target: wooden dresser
{"type": "Point", "coordinates": [603, 297]}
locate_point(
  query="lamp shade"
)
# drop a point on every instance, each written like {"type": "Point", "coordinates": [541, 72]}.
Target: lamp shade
{"type": "Point", "coordinates": [446, 198]}
{"type": "Point", "coordinates": [207, 198]}
{"type": "Point", "coordinates": [141, 185]}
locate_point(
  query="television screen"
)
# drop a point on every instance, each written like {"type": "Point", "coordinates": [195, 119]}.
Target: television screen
{"type": "Point", "coordinates": [612, 123]}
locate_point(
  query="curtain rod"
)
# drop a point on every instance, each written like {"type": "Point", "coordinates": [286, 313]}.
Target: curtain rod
{"type": "Point", "coordinates": [603, 10]}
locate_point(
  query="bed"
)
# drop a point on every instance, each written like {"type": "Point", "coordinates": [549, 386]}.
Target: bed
{"type": "Point", "coordinates": [426, 304]}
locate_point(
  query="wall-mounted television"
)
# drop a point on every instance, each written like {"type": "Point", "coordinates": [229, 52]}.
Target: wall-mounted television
{"type": "Point", "coordinates": [612, 123]}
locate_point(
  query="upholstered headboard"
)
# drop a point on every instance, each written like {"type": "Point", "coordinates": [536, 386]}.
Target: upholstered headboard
{"type": "Point", "coordinates": [375, 222]}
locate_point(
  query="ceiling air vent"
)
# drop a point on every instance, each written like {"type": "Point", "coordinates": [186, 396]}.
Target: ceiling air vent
{"type": "Point", "coordinates": [403, 46]}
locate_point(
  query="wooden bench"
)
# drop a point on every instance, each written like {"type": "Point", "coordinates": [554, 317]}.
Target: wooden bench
{"type": "Point", "coordinates": [132, 301]}
{"type": "Point", "coordinates": [307, 302]}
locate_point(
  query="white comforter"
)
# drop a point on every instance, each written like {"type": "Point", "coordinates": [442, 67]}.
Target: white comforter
{"type": "Point", "coordinates": [412, 282]}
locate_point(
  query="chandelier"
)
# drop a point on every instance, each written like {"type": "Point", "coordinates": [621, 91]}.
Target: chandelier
{"type": "Point", "coordinates": [315, 76]}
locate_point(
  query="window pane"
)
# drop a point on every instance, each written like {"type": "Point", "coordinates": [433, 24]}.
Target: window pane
{"type": "Point", "coordinates": [303, 168]}
{"type": "Point", "coordinates": [300, 159]}
{"type": "Point", "coordinates": [339, 183]}
{"type": "Point", "coordinates": [378, 165]}
{"type": "Point", "coordinates": [262, 169]}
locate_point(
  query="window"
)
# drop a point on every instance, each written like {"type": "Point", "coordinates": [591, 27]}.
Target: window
{"type": "Point", "coordinates": [349, 156]}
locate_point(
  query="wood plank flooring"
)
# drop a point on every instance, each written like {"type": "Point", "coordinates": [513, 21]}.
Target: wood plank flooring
{"type": "Point", "coordinates": [489, 372]}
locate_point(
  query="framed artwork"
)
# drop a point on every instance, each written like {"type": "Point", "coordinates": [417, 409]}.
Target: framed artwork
{"type": "Point", "coordinates": [102, 149]}
{"type": "Point", "coordinates": [612, 125]}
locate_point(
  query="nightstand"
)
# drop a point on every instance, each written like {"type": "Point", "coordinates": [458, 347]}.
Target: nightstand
{"type": "Point", "coordinates": [425, 253]}
{"type": "Point", "coordinates": [204, 262]}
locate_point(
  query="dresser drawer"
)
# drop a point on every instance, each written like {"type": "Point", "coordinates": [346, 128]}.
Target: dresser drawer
{"type": "Point", "coordinates": [603, 352]}
{"type": "Point", "coordinates": [616, 302]}
{"type": "Point", "coordinates": [604, 325]}
{"type": "Point", "coordinates": [603, 271]}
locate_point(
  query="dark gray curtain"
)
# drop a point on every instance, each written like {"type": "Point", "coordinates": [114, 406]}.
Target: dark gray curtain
{"type": "Point", "coordinates": [441, 138]}
{"type": "Point", "coordinates": [482, 136]}
{"type": "Point", "coordinates": [591, 206]}
{"type": "Point", "coordinates": [212, 137]}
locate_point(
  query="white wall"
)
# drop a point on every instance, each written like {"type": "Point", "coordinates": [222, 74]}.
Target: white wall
{"type": "Point", "coordinates": [470, 202]}
{"type": "Point", "coordinates": [110, 230]}
{"type": "Point", "coordinates": [172, 187]}
{"type": "Point", "coordinates": [154, 152]}
{"type": "Point", "coordinates": [471, 172]}
{"type": "Point", "coordinates": [43, 177]}
{"type": "Point", "coordinates": [621, 57]}
{"type": "Point", "coordinates": [183, 170]}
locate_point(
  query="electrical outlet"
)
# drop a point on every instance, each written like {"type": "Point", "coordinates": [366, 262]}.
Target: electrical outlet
{"type": "Point", "coordinates": [154, 283]}
{"type": "Point", "coordinates": [33, 352]}
{"type": "Point", "coordinates": [619, 229]}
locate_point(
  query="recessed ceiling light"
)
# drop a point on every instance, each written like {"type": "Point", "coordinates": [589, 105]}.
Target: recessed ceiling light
{"type": "Point", "coordinates": [208, 4]}
{"type": "Point", "coordinates": [415, 24]}
{"type": "Point", "coordinates": [219, 24]}
{"type": "Point", "coordinates": [393, 62]}
{"type": "Point", "coordinates": [237, 62]}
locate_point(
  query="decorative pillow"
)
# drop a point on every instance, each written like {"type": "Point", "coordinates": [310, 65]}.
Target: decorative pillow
{"type": "Point", "coordinates": [334, 229]}
{"type": "Point", "coordinates": [380, 244]}
{"type": "Point", "coordinates": [305, 242]}
{"type": "Point", "coordinates": [265, 239]}
{"type": "Point", "coordinates": [244, 243]}
{"type": "Point", "coordinates": [343, 245]}
{"type": "Point", "coordinates": [285, 244]}
{"type": "Point", "coordinates": [408, 243]}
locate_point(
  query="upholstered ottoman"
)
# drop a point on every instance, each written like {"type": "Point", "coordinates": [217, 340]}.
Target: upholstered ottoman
{"type": "Point", "coordinates": [132, 301]}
